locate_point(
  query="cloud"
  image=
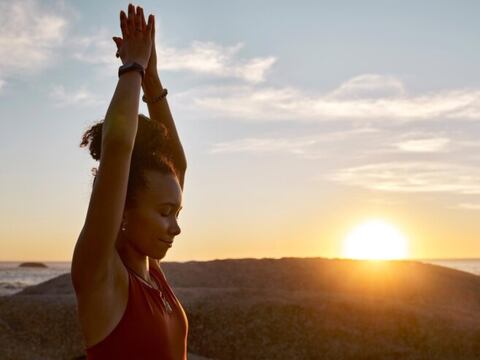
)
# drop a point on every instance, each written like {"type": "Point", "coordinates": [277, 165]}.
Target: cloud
{"type": "Point", "coordinates": [469, 206]}
{"type": "Point", "coordinates": [213, 59]}
{"type": "Point", "coordinates": [369, 86]}
{"type": "Point", "coordinates": [256, 145]}
{"type": "Point", "coordinates": [301, 146]}
{"type": "Point", "coordinates": [81, 97]}
{"type": "Point", "coordinates": [30, 35]}
{"type": "Point", "coordinates": [97, 48]}
{"type": "Point", "coordinates": [427, 145]}
{"type": "Point", "coordinates": [366, 97]}
{"type": "Point", "coordinates": [206, 58]}
{"type": "Point", "coordinates": [415, 177]}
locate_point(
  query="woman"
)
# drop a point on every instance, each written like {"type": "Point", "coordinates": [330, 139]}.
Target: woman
{"type": "Point", "coordinates": [127, 309]}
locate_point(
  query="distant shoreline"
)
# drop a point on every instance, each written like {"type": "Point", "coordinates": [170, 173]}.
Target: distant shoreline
{"type": "Point", "coordinates": [250, 258]}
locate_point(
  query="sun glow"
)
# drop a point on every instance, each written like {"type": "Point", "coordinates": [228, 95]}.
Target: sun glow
{"type": "Point", "coordinates": [377, 240]}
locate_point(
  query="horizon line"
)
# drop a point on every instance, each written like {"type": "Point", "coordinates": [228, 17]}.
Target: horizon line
{"type": "Point", "coordinates": [262, 258]}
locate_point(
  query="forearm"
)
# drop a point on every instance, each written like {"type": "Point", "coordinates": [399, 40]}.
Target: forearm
{"type": "Point", "coordinates": [120, 125]}
{"type": "Point", "coordinates": [160, 111]}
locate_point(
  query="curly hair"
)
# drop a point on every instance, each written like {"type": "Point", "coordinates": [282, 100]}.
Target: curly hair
{"type": "Point", "coordinates": [150, 152]}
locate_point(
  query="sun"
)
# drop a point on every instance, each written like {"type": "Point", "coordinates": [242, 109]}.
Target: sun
{"type": "Point", "coordinates": [376, 240]}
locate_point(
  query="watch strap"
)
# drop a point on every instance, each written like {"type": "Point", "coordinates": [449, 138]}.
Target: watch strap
{"type": "Point", "coordinates": [131, 67]}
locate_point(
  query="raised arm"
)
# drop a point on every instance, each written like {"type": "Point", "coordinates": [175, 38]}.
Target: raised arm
{"type": "Point", "coordinates": [159, 110]}
{"type": "Point", "coordinates": [95, 259]}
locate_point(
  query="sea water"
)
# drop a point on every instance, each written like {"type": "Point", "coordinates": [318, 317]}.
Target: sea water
{"type": "Point", "coordinates": [14, 278]}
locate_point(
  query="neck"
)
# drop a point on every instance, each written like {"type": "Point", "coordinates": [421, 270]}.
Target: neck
{"type": "Point", "coordinates": [135, 261]}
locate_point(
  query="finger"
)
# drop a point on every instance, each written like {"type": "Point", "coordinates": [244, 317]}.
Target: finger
{"type": "Point", "coordinates": [131, 19]}
{"type": "Point", "coordinates": [123, 24]}
{"type": "Point", "coordinates": [149, 25]}
{"type": "Point", "coordinates": [144, 25]}
{"type": "Point", "coordinates": [117, 54]}
{"type": "Point", "coordinates": [153, 28]}
{"type": "Point", "coordinates": [138, 19]}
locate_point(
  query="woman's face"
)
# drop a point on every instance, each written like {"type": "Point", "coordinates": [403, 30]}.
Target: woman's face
{"type": "Point", "coordinates": [155, 219]}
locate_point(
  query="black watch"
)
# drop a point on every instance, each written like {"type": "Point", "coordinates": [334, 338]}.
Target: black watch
{"type": "Point", "coordinates": [131, 66]}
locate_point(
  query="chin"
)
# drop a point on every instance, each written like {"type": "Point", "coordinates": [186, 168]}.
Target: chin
{"type": "Point", "coordinates": [158, 255]}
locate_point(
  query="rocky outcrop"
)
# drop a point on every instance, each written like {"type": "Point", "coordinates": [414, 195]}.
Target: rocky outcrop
{"type": "Point", "coordinates": [33, 264]}
{"type": "Point", "coordinates": [280, 309]}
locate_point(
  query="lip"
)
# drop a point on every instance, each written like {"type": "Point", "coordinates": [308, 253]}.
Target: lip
{"type": "Point", "coordinates": [167, 242]}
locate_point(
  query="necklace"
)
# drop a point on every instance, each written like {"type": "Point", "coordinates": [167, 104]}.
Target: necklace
{"type": "Point", "coordinates": [166, 304]}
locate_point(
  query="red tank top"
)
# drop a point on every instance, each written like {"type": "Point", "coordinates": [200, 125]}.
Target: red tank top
{"type": "Point", "coordinates": [146, 330]}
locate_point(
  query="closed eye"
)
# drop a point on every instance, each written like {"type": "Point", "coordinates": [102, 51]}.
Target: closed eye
{"type": "Point", "coordinates": [168, 214]}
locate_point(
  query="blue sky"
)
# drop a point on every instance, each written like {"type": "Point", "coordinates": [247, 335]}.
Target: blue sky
{"type": "Point", "coordinates": [299, 122]}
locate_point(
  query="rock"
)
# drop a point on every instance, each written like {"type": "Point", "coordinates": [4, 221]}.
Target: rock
{"type": "Point", "coordinates": [280, 309]}
{"type": "Point", "coordinates": [33, 264]}
{"type": "Point", "coordinates": [60, 285]}
{"type": "Point", "coordinates": [191, 356]}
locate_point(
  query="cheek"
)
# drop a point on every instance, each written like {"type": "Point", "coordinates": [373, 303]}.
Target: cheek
{"type": "Point", "coordinates": [151, 226]}
{"type": "Point", "coordinates": [159, 222]}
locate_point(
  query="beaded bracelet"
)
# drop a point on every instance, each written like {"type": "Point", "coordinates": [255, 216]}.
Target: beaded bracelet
{"type": "Point", "coordinates": [155, 99]}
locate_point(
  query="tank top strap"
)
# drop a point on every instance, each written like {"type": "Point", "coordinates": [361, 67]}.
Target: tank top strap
{"type": "Point", "coordinates": [165, 285]}
{"type": "Point", "coordinates": [133, 275]}
{"type": "Point", "coordinates": [159, 276]}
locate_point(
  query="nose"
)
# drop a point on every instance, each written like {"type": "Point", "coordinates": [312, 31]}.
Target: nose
{"type": "Point", "coordinates": [175, 228]}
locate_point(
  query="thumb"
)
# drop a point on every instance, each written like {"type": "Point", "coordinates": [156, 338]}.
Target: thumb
{"type": "Point", "coordinates": [117, 41]}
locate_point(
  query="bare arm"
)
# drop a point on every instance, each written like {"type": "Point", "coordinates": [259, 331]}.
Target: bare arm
{"type": "Point", "coordinates": [95, 247]}
{"type": "Point", "coordinates": [160, 111]}
{"type": "Point", "coordinates": [95, 259]}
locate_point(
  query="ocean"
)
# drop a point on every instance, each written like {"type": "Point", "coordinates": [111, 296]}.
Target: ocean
{"type": "Point", "coordinates": [14, 278]}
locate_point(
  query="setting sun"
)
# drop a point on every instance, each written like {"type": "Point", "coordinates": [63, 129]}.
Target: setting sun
{"type": "Point", "coordinates": [375, 239]}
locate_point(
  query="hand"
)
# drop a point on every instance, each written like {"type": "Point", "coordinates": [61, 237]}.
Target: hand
{"type": "Point", "coordinates": [151, 69]}
{"type": "Point", "coordinates": [136, 45]}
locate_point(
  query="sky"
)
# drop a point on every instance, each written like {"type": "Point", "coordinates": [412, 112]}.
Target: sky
{"type": "Point", "coordinates": [300, 121]}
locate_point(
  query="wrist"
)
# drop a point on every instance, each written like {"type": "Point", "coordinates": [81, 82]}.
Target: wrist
{"type": "Point", "coordinates": [151, 84]}
{"type": "Point", "coordinates": [151, 76]}
{"type": "Point", "coordinates": [138, 61]}
{"type": "Point", "coordinates": [129, 67]}
{"type": "Point", "coordinates": [151, 73]}
{"type": "Point", "coordinates": [156, 98]}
